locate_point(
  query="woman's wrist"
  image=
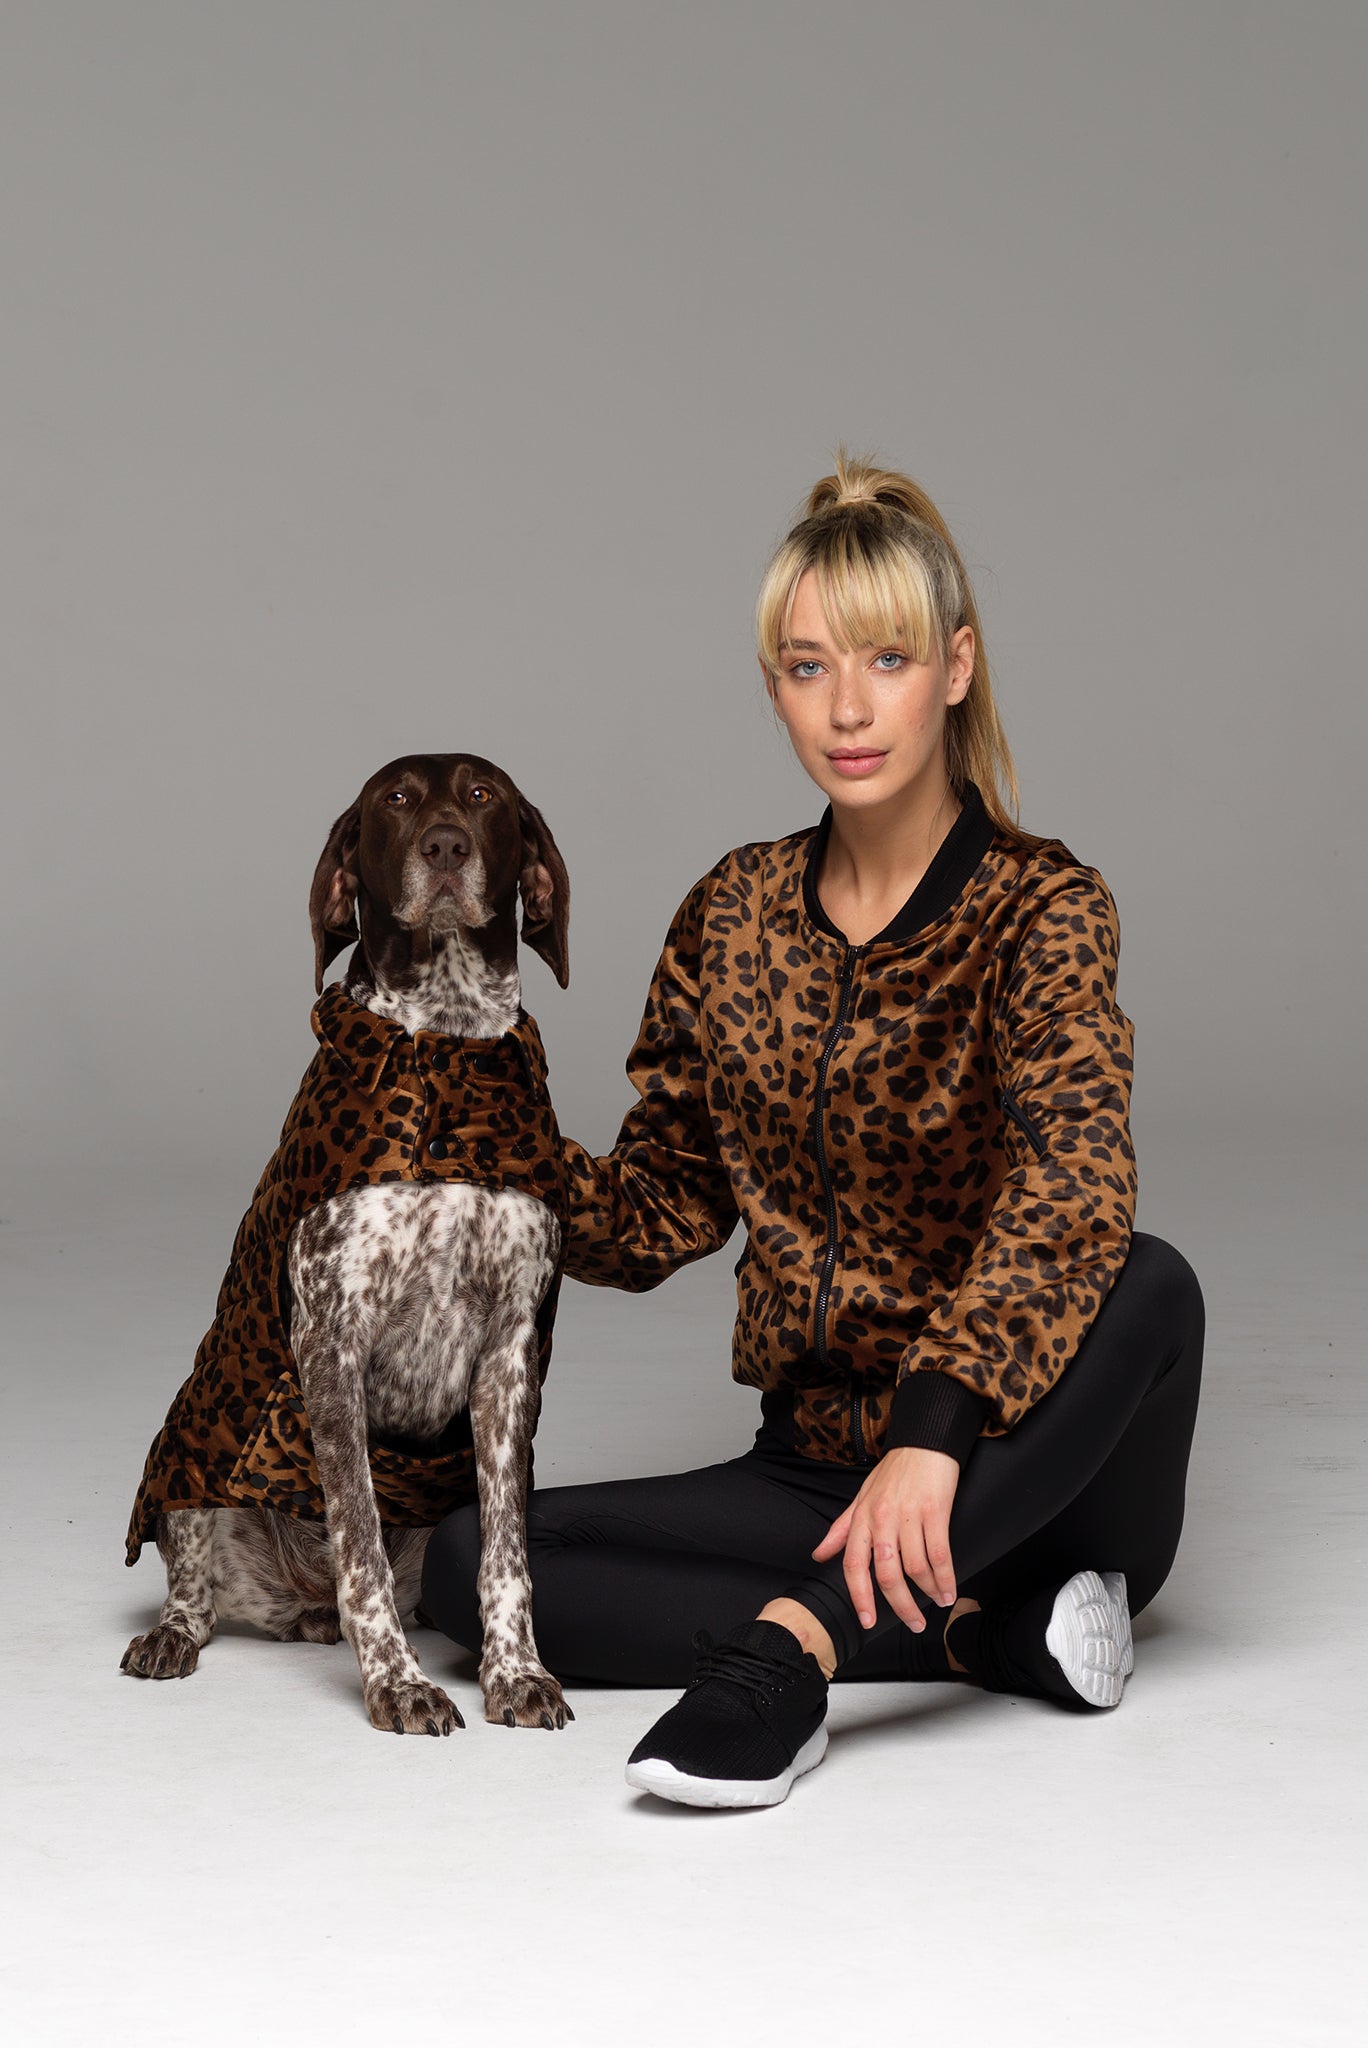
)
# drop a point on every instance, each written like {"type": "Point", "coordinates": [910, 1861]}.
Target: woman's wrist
{"type": "Point", "coordinates": [932, 1411]}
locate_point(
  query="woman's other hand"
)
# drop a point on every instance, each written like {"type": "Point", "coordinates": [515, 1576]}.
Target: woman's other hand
{"type": "Point", "coordinates": [901, 1518]}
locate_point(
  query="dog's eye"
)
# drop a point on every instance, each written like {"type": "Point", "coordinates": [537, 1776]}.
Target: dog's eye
{"type": "Point", "coordinates": [398, 798]}
{"type": "Point", "coordinates": [480, 795]}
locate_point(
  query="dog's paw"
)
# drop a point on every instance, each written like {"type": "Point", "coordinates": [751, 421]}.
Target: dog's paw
{"type": "Point", "coordinates": [529, 1698]}
{"type": "Point", "coordinates": [164, 1652]}
{"type": "Point", "coordinates": [411, 1707]}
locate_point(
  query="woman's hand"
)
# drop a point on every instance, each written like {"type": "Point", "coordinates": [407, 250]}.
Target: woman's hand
{"type": "Point", "coordinates": [901, 1515]}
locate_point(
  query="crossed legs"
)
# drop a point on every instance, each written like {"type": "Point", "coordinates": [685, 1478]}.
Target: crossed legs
{"type": "Point", "coordinates": [625, 1571]}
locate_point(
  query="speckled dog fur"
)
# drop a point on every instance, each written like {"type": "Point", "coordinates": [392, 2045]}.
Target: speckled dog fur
{"type": "Point", "coordinates": [411, 1299]}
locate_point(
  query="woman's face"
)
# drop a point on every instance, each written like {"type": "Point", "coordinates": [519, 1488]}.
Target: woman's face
{"type": "Point", "coordinates": [866, 724]}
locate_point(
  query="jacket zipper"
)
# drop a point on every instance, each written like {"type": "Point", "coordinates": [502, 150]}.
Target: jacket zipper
{"type": "Point", "coordinates": [857, 1443]}
{"type": "Point", "coordinates": [828, 1265]}
{"type": "Point", "coordinates": [1018, 1116]}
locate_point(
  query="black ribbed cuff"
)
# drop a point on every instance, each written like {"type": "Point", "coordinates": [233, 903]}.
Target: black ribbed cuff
{"type": "Point", "coordinates": [933, 1412]}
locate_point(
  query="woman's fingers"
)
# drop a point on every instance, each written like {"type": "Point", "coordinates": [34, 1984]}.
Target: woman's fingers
{"type": "Point", "coordinates": [926, 1559]}
{"type": "Point", "coordinates": [856, 1568]}
{"type": "Point", "coordinates": [895, 1558]}
{"type": "Point", "coordinates": [929, 1563]}
{"type": "Point", "coordinates": [898, 1525]}
{"type": "Point", "coordinates": [836, 1534]}
{"type": "Point", "coordinates": [917, 1548]}
{"type": "Point", "coordinates": [890, 1569]}
{"type": "Point", "coordinates": [936, 1536]}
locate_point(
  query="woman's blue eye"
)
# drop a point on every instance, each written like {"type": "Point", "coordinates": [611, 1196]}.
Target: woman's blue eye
{"type": "Point", "coordinates": [896, 659]}
{"type": "Point", "coordinates": [805, 667]}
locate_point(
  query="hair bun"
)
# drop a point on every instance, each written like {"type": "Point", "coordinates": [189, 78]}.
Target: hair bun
{"type": "Point", "coordinates": [858, 480]}
{"type": "Point", "coordinates": [854, 482]}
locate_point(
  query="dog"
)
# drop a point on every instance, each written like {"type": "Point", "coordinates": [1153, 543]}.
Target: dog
{"type": "Point", "coordinates": [384, 1327]}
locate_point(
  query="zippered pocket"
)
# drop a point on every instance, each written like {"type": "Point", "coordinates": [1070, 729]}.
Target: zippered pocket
{"type": "Point", "coordinates": [1020, 1118]}
{"type": "Point", "coordinates": [859, 1455]}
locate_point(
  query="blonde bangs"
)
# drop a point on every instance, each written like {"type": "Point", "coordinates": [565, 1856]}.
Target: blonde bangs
{"type": "Point", "coordinates": [870, 594]}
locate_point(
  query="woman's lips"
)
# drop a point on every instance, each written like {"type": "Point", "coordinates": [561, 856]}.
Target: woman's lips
{"type": "Point", "coordinates": [856, 763]}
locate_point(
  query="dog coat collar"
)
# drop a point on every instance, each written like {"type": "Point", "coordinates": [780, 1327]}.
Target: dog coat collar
{"type": "Point", "coordinates": [363, 1044]}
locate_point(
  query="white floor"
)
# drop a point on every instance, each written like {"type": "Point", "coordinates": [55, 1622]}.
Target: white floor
{"type": "Point", "coordinates": [240, 1857]}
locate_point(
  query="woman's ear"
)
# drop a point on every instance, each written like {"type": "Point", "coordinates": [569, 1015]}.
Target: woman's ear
{"type": "Point", "coordinates": [961, 665]}
{"type": "Point", "coordinates": [332, 899]}
{"type": "Point", "coordinates": [544, 888]}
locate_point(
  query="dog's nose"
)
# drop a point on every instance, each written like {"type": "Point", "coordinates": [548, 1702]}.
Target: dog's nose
{"type": "Point", "coordinates": [444, 846]}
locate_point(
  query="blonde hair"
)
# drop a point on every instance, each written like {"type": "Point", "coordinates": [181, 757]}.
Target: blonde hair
{"type": "Point", "coordinates": [886, 568]}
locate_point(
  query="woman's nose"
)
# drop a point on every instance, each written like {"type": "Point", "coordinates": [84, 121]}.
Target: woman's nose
{"type": "Point", "coordinates": [849, 705]}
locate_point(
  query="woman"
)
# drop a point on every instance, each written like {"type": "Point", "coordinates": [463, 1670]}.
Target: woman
{"type": "Point", "coordinates": [891, 1045]}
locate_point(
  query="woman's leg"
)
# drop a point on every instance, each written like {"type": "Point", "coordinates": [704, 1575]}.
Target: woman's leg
{"type": "Point", "coordinates": [1093, 1477]}
{"type": "Point", "coordinates": [625, 1571]}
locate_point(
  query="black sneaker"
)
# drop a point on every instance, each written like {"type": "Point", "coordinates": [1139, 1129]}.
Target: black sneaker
{"type": "Point", "coordinates": [752, 1719]}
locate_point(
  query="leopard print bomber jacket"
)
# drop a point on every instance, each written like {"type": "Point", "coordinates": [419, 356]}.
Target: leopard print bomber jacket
{"type": "Point", "coordinates": [926, 1136]}
{"type": "Point", "coordinates": [375, 1105]}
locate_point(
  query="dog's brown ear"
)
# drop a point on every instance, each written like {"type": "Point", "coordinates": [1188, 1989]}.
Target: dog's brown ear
{"type": "Point", "coordinates": [545, 890]}
{"type": "Point", "coordinates": [332, 899]}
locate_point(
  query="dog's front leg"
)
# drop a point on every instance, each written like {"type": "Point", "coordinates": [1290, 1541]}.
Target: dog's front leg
{"type": "Point", "coordinates": [504, 1400]}
{"type": "Point", "coordinates": [185, 1539]}
{"type": "Point", "coordinates": [397, 1694]}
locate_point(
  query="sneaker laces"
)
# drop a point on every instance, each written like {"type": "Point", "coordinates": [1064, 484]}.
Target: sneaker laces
{"type": "Point", "coordinates": [756, 1674]}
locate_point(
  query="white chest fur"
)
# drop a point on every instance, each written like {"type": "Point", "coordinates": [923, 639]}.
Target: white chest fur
{"type": "Point", "coordinates": [424, 1280]}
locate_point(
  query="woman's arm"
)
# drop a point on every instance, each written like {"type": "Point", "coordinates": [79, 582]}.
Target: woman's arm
{"type": "Point", "coordinates": [661, 1197]}
{"type": "Point", "coordinates": [1058, 1235]}
{"type": "Point", "coordinates": [1060, 1228]}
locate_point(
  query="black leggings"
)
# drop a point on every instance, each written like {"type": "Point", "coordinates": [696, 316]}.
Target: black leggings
{"type": "Point", "coordinates": [1093, 1477]}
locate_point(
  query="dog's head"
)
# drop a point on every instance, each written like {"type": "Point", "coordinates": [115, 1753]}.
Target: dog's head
{"type": "Point", "coordinates": [435, 844]}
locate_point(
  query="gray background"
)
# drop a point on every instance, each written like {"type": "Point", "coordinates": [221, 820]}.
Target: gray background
{"type": "Point", "coordinates": [396, 377]}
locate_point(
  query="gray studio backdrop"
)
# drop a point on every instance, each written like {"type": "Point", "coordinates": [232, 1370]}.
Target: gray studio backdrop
{"type": "Point", "coordinates": [429, 376]}
{"type": "Point", "coordinates": [393, 375]}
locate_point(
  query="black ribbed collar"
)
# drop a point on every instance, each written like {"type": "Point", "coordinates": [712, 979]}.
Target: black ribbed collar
{"type": "Point", "coordinates": [954, 861]}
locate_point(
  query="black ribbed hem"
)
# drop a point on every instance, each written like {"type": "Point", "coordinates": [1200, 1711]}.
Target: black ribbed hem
{"type": "Point", "coordinates": [933, 1412]}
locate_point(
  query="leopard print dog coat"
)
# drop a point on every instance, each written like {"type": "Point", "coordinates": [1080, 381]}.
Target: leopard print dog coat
{"type": "Point", "coordinates": [375, 1105]}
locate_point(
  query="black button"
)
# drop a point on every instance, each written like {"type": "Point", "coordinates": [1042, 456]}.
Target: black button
{"type": "Point", "coordinates": [485, 1151]}
{"type": "Point", "coordinates": [485, 1063]}
{"type": "Point", "coordinates": [437, 1148]}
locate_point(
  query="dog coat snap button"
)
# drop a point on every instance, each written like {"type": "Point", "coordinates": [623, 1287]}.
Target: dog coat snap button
{"type": "Point", "coordinates": [485, 1063]}
{"type": "Point", "coordinates": [437, 1148]}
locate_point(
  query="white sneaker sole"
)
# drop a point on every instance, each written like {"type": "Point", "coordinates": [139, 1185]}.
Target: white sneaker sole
{"type": "Point", "coordinates": [653, 1774]}
{"type": "Point", "coordinates": [1089, 1635]}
